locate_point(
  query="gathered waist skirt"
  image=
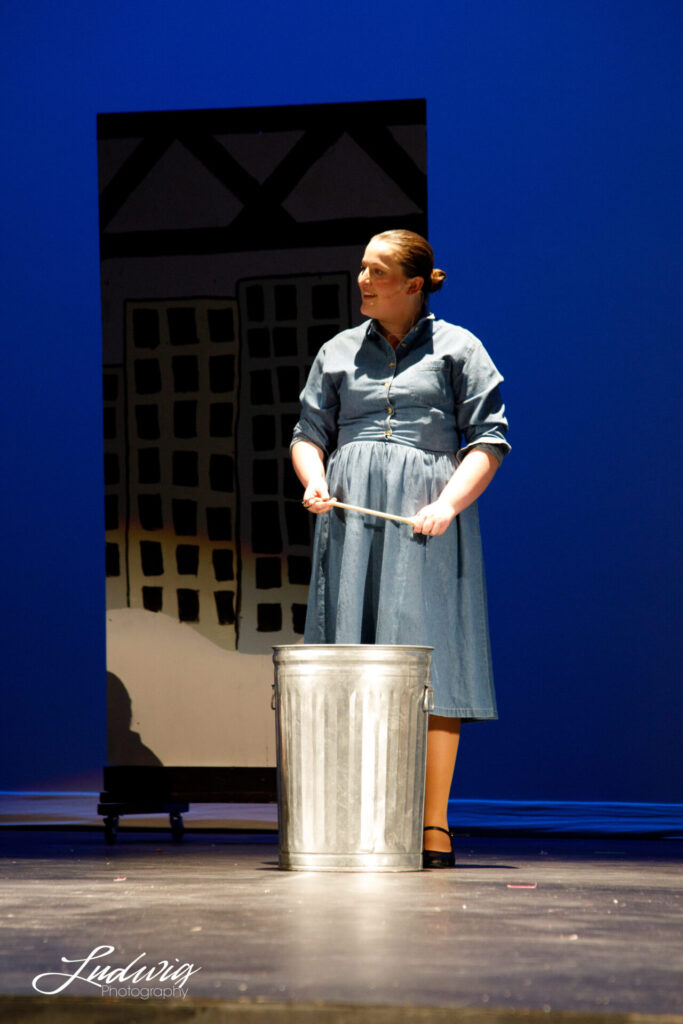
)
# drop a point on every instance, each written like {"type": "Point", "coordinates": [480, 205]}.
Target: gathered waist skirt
{"type": "Point", "coordinates": [374, 581]}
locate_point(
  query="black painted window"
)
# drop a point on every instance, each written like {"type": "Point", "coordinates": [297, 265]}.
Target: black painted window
{"type": "Point", "coordinates": [187, 559]}
{"type": "Point", "coordinates": [185, 373]}
{"type": "Point", "coordinates": [110, 387]}
{"type": "Point", "coordinates": [263, 433]}
{"type": "Point", "coordinates": [188, 605]}
{"type": "Point", "coordinates": [185, 469]}
{"type": "Point", "coordinates": [261, 387]}
{"type": "Point", "coordinates": [149, 510]}
{"type": "Point", "coordinates": [288, 383]}
{"type": "Point", "coordinates": [222, 473]}
{"type": "Point", "coordinates": [182, 325]}
{"type": "Point", "coordinates": [265, 528]}
{"type": "Point", "coordinates": [109, 422]}
{"type": "Point", "coordinates": [149, 467]}
{"type": "Point", "coordinates": [285, 301]}
{"type": "Point", "coordinates": [255, 303]}
{"type": "Point", "coordinates": [225, 606]}
{"type": "Point", "coordinates": [111, 512]}
{"type": "Point", "coordinates": [220, 419]}
{"type": "Point", "coordinates": [185, 419]}
{"type": "Point", "coordinates": [297, 522]}
{"type": "Point", "coordinates": [258, 341]}
{"type": "Point", "coordinates": [219, 523]}
{"type": "Point", "coordinates": [113, 560]}
{"type": "Point", "coordinates": [292, 487]}
{"type": "Point", "coordinates": [147, 422]}
{"type": "Point", "coordinates": [222, 565]}
{"type": "Point", "coordinates": [221, 374]}
{"type": "Point", "coordinates": [151, 558]}
{"type": "Point", "coordinates": [299, 569]}
{"type": "Point", "coordinates": [184, 517]}
{"type": "Point", "coordinates": [268, 573]}
{"type": "Point", "coordinates": [268, 618]}
{"type": "Point", "coordinates": [112, 473]}
{"type": "Point", "coordinates": [147, 376]}
{"type": "Point", "coordinates": [265, 476]}
{"type": "Point", "coordinates": [152, 598]}
{"type": "Point", "coordinates": [284, 341]}
{"type": "Point", "coordinates": [298, 618]}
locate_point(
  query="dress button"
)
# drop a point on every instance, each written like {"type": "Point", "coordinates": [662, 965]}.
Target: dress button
{"type": "Point", "coordinates": [386, 383]}
{"type": "Point", "coordinates": [389, 409]}
{"type": "Point", "coordinates": [392, 364]}
{"type": "Point", "coordinates": [387, 433]}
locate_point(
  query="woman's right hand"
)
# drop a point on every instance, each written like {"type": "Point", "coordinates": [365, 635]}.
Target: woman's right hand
{"type": "Point", "coordinates": [317, 496]}
{"type": "Point", "coordinates": [309, 465]}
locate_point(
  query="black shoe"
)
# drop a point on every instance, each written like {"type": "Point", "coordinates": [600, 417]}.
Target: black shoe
{"type": "Point", "coordinates": [438, 858]}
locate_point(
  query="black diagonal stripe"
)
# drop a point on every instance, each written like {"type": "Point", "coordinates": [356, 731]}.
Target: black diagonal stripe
{"type": "Point", "coordinates": [286, 176]}
{"type": "Point", "coordinates": [222, 165]}
{"type": "Point", "coordinates": [382, 147]}
{"type": "Point", "coordinates": [130, 174]}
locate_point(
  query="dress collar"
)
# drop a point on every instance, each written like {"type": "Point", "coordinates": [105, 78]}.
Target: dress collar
{"type": "Point", "coordinates": [417, 328]}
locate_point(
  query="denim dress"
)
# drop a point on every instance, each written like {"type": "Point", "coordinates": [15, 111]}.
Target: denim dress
{"type": "Point", "coordinates": [393, 426]}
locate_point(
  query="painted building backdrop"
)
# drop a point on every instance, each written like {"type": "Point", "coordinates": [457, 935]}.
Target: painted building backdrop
{"type": "Point", "coordinates": [230, 243]}
{"type": "Point", "coordinates": [554, 155]}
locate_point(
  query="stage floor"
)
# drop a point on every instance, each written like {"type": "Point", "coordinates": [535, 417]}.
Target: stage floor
{"type": "Point", "coordinates": [547, 924]}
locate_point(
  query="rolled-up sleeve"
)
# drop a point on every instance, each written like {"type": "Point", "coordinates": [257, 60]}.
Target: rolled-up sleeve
{"type": "Point", "coordinates": [319, 408]}
{"type": "Point", "coordinates": [480, 412]}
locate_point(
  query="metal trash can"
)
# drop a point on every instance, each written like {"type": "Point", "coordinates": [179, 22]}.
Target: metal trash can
{"type": "Point", "coordinates": [351, 725]}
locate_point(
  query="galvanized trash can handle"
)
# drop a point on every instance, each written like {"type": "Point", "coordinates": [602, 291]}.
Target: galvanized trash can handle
{"type": "Point", "coordinates": [273, 699]}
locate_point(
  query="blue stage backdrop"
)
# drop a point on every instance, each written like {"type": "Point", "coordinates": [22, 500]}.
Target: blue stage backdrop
{"type": "Point", "coordinates": [554, 167]}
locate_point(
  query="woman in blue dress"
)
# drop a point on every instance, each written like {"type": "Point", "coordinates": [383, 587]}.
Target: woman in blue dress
{"type": "Point", "coordinates": [403, 414]}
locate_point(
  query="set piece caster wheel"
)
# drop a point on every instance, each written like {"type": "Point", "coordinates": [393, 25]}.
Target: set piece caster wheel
{"type": "Point", "coordinates": [111, 827]}
{"type": "Point", "coordinates": [177, 827]}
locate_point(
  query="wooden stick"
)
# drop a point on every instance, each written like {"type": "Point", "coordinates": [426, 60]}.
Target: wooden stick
{"type": "Point", "coordinates": [372, 512]}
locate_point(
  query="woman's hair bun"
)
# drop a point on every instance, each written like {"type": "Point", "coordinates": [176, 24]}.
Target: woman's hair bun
{"type": "Point", "coordinates": [416, 257]}
{"type": "Point", "coordinates": [437, 279]}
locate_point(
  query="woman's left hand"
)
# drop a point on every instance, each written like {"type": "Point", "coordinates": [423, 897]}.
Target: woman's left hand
{"type": "Point", "coordinates": [434, 519]}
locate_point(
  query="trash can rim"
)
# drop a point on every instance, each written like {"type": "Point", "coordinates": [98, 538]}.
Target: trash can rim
{"type": "Point", "coordinates": [352, 647]}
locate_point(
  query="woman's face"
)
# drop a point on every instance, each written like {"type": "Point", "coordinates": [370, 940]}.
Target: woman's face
{"type": "Point", "coordinates": [387, 294]}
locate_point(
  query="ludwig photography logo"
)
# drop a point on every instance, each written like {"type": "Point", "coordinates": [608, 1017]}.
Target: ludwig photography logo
{"type": "Point", "coordinates": [163, 980]}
